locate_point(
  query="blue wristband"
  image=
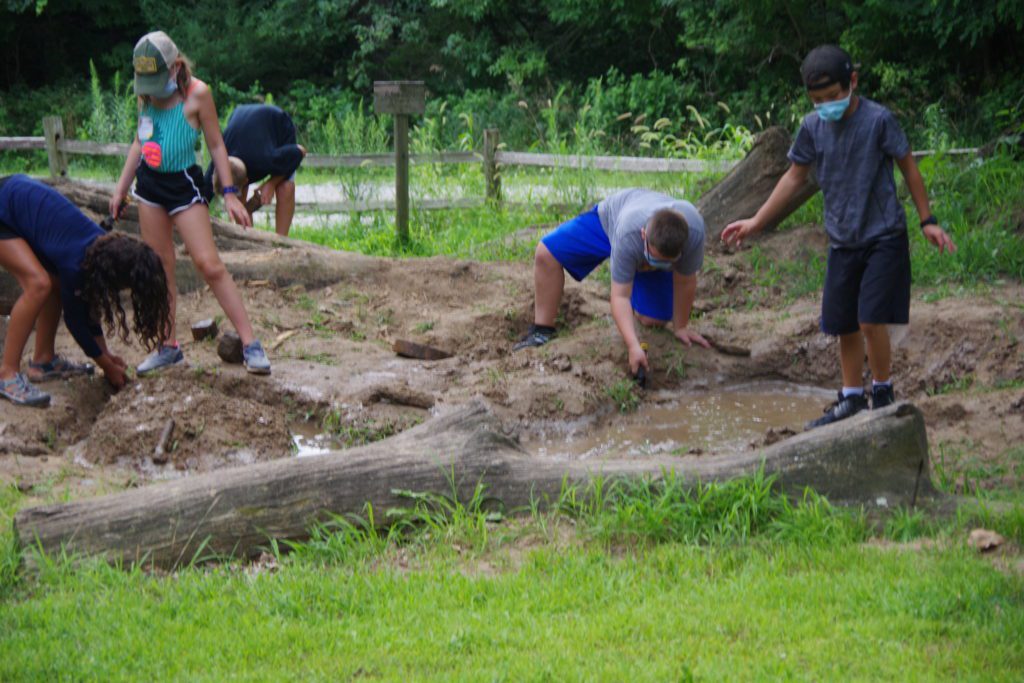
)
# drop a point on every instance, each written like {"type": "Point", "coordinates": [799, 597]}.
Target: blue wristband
{"type": "Point", "coordinates": [230, 189]}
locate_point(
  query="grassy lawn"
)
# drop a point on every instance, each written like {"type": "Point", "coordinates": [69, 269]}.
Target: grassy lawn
{"type": "Point", "coordinates": [640, 583]}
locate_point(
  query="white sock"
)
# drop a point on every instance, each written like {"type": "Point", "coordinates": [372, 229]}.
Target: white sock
{"type": "Point", "coordinates": [886, 383]}
{"type": "Point", "coordinates": [853, 391]}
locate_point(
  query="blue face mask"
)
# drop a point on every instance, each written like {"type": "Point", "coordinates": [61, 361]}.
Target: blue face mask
{"type": "Point", "coordinates": [833, 111]}
{"type": "Point", "coordinates": [171, 87]}
{"type": "Point", "coordinates": [660, 264]}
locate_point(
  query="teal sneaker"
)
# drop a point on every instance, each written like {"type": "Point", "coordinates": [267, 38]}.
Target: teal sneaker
{"type": "Point", "coordinates": [164, 357]}
{"type": "Point", "coordinates": [255, 359]}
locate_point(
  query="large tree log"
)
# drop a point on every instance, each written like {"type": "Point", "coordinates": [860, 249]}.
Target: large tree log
{"type": "Point", "coordinates": [228, 236]}
{"type": "Point", "coordinates": [878, 458]}
{"type": "Point", "coordinates": [741, 193]}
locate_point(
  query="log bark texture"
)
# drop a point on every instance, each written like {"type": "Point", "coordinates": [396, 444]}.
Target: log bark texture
{"type": "Point", "coordinates": [876, 458]}
{"type": "Point", "coordinates": [742, 192]}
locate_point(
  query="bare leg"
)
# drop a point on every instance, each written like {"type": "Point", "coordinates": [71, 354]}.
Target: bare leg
{"type": "Point", "coordinates": [284, 212]}
{"type": "Point", "coordinates": [46, 324]}
{"type": "Point", "coordinates": [851, 358]}
{"type": "Point", "coordinates": [18, 259]}
{"type": "Point", "coordinates": [879, 350]}
{"type": "Point", "coordinates": [549, 283]}
{"type": "Point", "coordinates": [194, 227]}
{"type": "Point", "coordinates": [155, 225]}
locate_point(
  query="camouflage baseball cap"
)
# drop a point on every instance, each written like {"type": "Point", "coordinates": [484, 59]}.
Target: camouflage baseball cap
{"type": "Point", "coordinates": [153, 56]}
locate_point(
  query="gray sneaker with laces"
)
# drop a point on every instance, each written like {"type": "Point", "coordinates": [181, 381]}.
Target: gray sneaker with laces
{"type": "Point", "coordinates": [255, 359]}
{"type": "Point", "coordinates": [164, 357]}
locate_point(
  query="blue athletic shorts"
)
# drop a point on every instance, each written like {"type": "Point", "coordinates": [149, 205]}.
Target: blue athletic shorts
{"type": "Point", "coordinates": [580, 245]}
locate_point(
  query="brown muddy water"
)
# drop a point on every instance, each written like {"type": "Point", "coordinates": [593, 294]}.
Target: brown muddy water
{"type": "Point", "coordinates": [725, 420]}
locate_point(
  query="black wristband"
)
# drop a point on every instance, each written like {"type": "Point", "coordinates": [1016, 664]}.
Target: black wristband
{"type": "Point", "coordinates": [931, 220]}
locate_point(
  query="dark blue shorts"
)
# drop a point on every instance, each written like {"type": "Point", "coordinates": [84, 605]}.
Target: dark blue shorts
{"type": "Point", "coordinates": [580, 245]}
{"type": "Point", "coordinates": [869, 284]}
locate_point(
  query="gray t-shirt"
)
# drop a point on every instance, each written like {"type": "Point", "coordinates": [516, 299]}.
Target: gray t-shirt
{"type": "Point", "coordinates": [853, 159]}
{"type": "Point", "coordinates": [624, 213]}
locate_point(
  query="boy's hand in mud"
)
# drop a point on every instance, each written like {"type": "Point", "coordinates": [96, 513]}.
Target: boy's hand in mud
{"type": "Point", "coordinates": [940, 238]}
{"type": "Point", "coordinates": [637, 358]}
{"type": "Point", "coordinates": [689, 337]}
{"type": "Point", "coordinates": [237, 210]}
{"type": "Point", "coordinates": [737, 231]}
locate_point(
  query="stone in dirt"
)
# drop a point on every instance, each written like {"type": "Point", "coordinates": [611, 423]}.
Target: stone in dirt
{"type": "Point", "coordinates": [410, 349]}
{"type": "Point", "coordinates": [984, 540]}
{"type": "Point", "coordinates": [229, 348]}
{"type": "Point", "coordinates": [205, 329]}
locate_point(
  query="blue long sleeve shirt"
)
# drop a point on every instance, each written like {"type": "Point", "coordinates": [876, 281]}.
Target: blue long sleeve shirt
{"type": "Point", "coordinates": [59, 234]}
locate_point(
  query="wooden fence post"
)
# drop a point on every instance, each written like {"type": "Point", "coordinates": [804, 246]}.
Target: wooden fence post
{"type": "Point", "coordinates": [400, 99]}
{"type": "Point", "coordinates": [492, 138]}
{"type": "Point", "coordinates": [53, 131]}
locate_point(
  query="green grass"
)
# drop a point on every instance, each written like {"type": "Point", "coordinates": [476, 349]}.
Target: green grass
{"type": "Point", "coordinates": [638, 582]}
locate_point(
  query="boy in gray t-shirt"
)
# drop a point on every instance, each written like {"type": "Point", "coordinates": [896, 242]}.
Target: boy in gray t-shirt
{"type": "Point", "coordinates": [853, 142]}
{"type": "Point", "coordinates": [656, 247]}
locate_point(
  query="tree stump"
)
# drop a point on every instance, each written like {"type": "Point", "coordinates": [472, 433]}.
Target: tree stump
{"type": "Point", "coordinates": [741, 193]}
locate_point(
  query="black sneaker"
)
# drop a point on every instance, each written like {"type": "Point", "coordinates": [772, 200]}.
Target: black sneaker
{"type": "Point", "coordinates": [882, 396]}
{"type": "Point", "coordinates": [843, 408]}
{"type": "Point", "coordinates": [535, 337]}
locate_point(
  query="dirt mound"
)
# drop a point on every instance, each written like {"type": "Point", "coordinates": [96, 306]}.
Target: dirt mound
{"type": "Point", "coordinates": [212, 428]}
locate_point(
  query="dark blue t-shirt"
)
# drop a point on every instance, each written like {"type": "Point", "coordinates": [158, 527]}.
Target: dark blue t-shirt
{"type": "Point", "coordinates": [59, 235]}
{"type": "Point", "coordinates": [853, 159]}
{"type": "Point", "coordinates": [263, 137]}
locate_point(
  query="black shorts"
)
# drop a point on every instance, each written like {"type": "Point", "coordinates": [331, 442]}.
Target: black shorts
{"type": "Point", "coordinates": [174, 192]}
{"type": "Point", "coordinates": [868, 284]}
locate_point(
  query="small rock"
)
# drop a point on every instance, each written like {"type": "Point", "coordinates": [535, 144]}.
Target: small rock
{"type": "Point", "coordinates": [229, 348]}
{"type": "Point", "coordinates": [562, 363]}
{"type": "Point", "coordinates": [774, 436]}
{"type": "Point", "coordinates": [204, 329]}
{"type": "Point", "coordinates": [984, 540]}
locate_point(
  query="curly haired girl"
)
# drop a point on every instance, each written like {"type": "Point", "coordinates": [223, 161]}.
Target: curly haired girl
{"type": "Point", "coordinates": [63, 260]}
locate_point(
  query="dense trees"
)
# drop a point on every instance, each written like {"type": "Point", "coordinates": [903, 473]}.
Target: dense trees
{"type": "Point", "coordinates": [966, 56]}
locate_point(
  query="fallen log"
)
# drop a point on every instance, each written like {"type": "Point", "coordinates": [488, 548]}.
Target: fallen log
{"type": "Point", "coordinates": [876, 458]}
{"type": "Point", "coordinates": [742, 192]}
{"type": "Point", "coordinates": [227, 236]}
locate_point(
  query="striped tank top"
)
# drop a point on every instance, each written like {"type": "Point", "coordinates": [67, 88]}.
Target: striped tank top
{"type": "Point", "coordinates": [168, 140]}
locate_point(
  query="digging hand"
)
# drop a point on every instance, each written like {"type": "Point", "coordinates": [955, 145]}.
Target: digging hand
{"type": "Point", "coordinates": [113, 369]}
{"type": "Point", "coordinates": [637, 359]}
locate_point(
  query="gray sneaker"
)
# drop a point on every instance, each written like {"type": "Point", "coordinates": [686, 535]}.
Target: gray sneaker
{"type": "Point", "coordinates": [255, 359]}
{"type": "Point", "coordinates": [165, 357]}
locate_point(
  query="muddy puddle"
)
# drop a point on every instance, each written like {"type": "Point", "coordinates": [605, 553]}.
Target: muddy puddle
{"type": "Point", "coordinates": [691, 423]}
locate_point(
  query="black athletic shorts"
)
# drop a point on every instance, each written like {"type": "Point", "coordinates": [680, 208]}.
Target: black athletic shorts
{"type": "Point", "coordinates": [174, 192]}
{"type": "Point", "coordinates": [869, 284]}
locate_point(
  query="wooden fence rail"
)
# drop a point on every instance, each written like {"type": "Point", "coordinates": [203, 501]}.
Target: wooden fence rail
{"type": "Point", "coordinates": [491, 158]}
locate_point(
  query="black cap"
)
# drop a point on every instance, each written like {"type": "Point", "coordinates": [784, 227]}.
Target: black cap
{"type": "Point", "coordinates": [825, 65]}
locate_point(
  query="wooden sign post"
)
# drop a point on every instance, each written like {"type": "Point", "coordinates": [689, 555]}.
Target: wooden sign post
{"type": "Point", "coordinates": [401, 99]}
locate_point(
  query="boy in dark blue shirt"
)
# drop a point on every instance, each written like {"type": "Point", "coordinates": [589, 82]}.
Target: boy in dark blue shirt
{"type": "Point", "coordinates": [261, 143]}
{"type": "Point", "coordinates": [853, 142]}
